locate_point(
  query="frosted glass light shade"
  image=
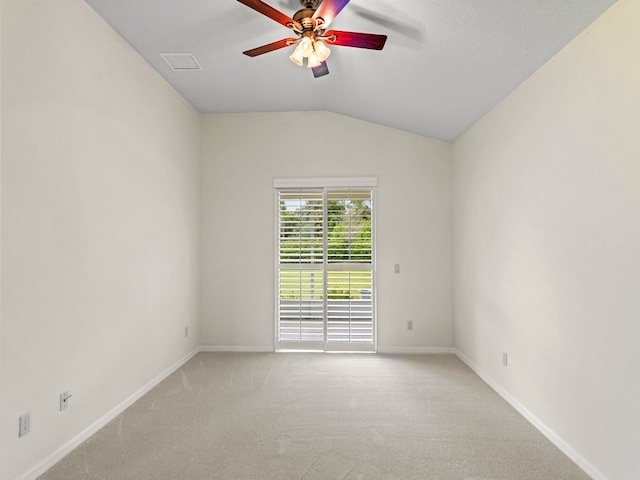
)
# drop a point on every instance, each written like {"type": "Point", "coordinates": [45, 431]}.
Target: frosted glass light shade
{"type": "Point", "coordinates": [305, 46]}
{"type": "Point", "coordinates": [322, 51]}
{"type": "Point", "coordinates": [297, 57]}
{"type": "Point", "coordinates": [314, 61]}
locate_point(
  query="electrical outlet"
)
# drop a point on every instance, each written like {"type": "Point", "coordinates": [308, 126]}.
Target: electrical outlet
{"type": "Point", "coordinates": [186, 332]}
{"type": "Point", "coordinates": [64, 400]}
{"type": "Point", "coordinates": [505, 359]}
{"type": "Point", "coordinates": [396, 268]}
{"type": "Point", "coordinates": [409, 324]}
{"type": "Point", "coordinates": [25, 424]}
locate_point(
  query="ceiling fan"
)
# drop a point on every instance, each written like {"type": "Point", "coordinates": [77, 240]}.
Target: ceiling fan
{"type": "Point", "coordinates": [310, 26]}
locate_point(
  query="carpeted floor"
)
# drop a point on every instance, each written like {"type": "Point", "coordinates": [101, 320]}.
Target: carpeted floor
{"type": "Point", "coordinates": [319, 416]}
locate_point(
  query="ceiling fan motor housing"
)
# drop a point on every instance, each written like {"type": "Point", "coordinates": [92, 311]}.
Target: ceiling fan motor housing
{"type": "Point", "coordinates": [305, 18]}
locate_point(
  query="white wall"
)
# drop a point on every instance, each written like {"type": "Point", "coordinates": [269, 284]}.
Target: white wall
{"type": "Point", "coordinates": [241, 155]}
{"type": "Point", "coordinates": [546, 244]}
{"type": "Point", "coordinates": [99, 225]}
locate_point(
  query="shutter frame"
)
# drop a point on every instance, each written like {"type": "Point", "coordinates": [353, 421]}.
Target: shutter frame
{"type": "Point", "coordinates": [326, 182]}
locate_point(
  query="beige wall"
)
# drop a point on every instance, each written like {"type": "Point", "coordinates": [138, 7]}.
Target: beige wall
{"type": "Point", "coordinates": [99, 225]}
{"type": "Point", "coordinates": [546, 244]}
{"type": "Point", "coordinates": [241, 155]}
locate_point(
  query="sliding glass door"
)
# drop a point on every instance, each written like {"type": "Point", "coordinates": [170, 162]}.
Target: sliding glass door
{"type": "Point", "coordinates": [325, 269]}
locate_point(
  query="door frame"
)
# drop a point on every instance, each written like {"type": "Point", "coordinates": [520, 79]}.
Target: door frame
{"type": "Point", "coordinates": [326, 185]}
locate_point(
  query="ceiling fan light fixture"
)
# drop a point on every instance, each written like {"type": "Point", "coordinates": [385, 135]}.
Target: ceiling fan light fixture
{"type": "Point", "coordinates": [311, 48]}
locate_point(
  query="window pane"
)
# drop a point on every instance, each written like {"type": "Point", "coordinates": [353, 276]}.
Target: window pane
{"type": "Point", "coordinates": [301, 222]}
{"type": "Point", "coordinates": [349, 227]}
{"type": "Point", "coordinates": [349, 306]}
{"type": "Point", "coordinates": [301, 306]}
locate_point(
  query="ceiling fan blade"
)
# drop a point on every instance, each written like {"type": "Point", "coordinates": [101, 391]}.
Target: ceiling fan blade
{"type": "Point", "coordinates": [355, 39]}
{"type": "Point", "coordinates": [321, 70]}
{"type": "Point", "coordinates": [285, 42]}
{"type": "Point", "coordinates": [329, 10]}
{"type": "Point", "coordinates": [405, 27]}
{"type": "Point", "coordinates": [271, 12]}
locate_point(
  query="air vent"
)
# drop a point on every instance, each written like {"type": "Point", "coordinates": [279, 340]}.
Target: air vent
{"type": "Point", "coordinates": [181, 62]}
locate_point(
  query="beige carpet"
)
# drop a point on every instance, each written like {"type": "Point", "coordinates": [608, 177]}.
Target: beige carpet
{"type": "Point", "coordinates": [319, 416]}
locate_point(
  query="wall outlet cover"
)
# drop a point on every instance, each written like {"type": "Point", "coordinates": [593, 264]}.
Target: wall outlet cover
{"type": "Point", "coordinates": [25, 424]}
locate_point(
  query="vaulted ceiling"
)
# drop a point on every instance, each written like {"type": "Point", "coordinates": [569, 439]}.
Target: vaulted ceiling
{"type": "Point", "coordinates": [445, 64]}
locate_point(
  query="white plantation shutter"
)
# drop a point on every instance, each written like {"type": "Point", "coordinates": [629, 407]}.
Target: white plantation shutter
{"type": "Point", "coordinates": [301, 227]}
{"type": "Point", "coordinates": [325, 269]}
{"type": "Point", "coordinates": [351, 241]}
{"type": "Point", "coordinates": [350, 314]}
{"type": "Point", "coordinates": [301, 306]}
{"type": "Point", "coordinates": [350, 267]}
{"type": "Point", "coordinates": [300, 257]}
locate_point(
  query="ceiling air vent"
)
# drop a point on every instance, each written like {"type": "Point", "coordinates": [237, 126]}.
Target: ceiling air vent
{"type": "Point", "coordinates": [181, 62]}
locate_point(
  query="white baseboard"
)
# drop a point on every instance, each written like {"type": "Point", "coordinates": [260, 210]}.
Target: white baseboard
{"type": "Point", "coordinates": [535, 421]}
{"type": "Point", "coordinates": [76, 441]}
{"type": "Point", "coordinates": [236, 349]}
{"type": "Point", "coordinates": [415, 350]}
{"type": "Point", "coordinates": [383, 350]}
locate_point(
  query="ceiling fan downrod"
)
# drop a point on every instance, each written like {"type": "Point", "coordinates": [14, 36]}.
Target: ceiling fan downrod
{"type": "Point", "coordinates": [313, 4]}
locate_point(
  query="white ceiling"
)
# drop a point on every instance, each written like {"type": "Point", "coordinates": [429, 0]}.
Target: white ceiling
{"type": "Point", "coordinates": [445, 64]}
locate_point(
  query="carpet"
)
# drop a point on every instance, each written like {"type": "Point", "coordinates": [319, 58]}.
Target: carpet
{"type": "Point", "coordinates": [319, 417]}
